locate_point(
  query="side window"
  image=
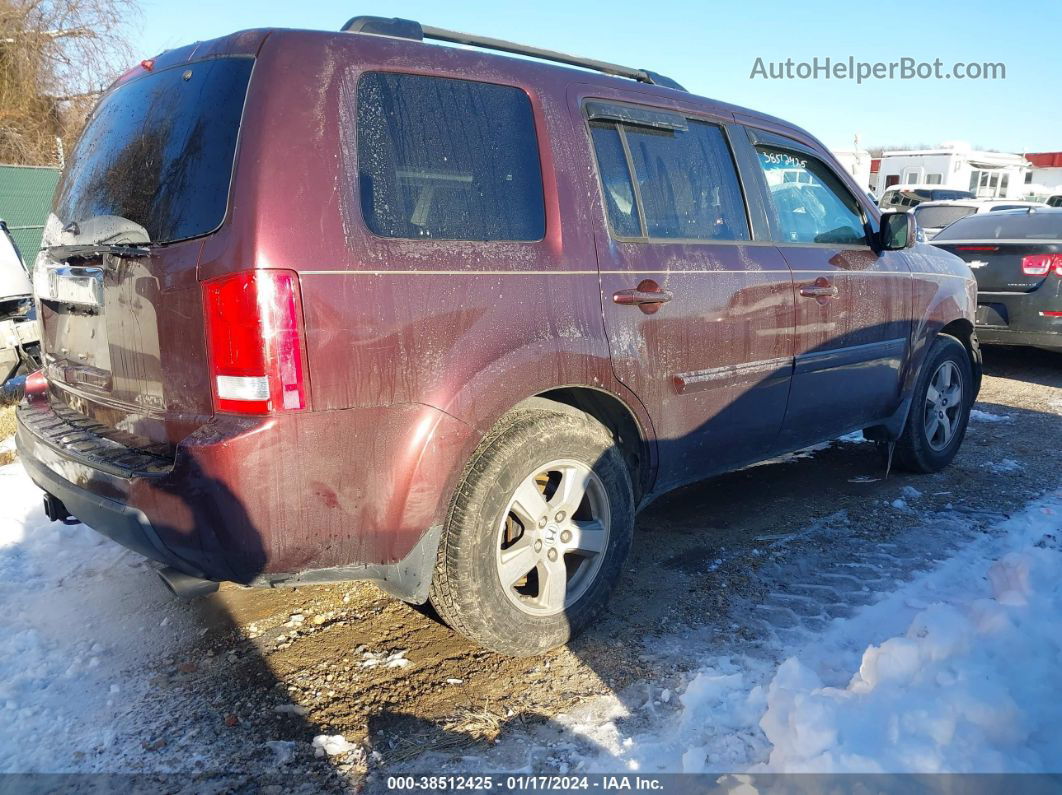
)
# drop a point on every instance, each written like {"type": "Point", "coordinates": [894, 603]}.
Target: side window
{"type": "Point", "coordinates": [677, 184]}
{"type": "Point", "coordinates": [445, 159]}
{"type": "Point", "coordinates": [616, 182]}
{"type": "Point", "coordinates": [809, 202]}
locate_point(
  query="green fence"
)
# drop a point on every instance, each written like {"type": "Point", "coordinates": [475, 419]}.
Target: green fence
{"type": "Point", "coordinates": [25, 199]}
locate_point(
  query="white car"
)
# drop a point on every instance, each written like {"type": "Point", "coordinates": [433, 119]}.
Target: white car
{"type": "Point", "coordinates": [19, 338]}
{"type": "Point", "coordinates": [934, 216]}
{"type": "Point", "coordinates": [904, 197]}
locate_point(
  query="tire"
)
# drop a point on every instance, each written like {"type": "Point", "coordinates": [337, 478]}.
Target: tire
{"type": "Point", "coordinates": [926, 445]}
{"type": "Point", "coordinates": [496, 526]}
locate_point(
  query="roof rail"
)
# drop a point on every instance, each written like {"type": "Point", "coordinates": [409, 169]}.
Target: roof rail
{"type": "Point", "coordinates": [408, 29]}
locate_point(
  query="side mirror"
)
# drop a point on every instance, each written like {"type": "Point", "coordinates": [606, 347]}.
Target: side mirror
{"type": "Point", "coordinates": [897, 231]}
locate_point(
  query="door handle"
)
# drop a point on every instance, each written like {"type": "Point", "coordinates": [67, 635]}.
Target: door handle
{"type": "Point", "coordinates": [647, 295]}
{"type": "Point", "coordinates": [821, 288]}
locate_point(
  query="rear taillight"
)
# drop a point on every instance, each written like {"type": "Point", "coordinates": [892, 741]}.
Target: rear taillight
{"type": "Point", "coordinates": [254, 338]}
{"type": "Point", "coordinates": [1041, 264]}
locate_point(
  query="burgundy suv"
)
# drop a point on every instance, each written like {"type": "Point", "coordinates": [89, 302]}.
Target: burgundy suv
{"type": "Point", "coordinates": [332, 306]}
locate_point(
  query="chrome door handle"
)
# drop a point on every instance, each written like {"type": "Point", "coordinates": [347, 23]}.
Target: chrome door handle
{"type": "Point", "coordinates": [639, 297]}
{"type": "Point", "coordinates": [818, 292]}
{"type": "Point", "coordinates": [647, 295]}
{"type": "Point", "coordinates": [821, 288]}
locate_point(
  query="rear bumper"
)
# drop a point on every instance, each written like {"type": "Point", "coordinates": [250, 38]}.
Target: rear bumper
{"type": "Point", "coordinates": [308, 497]}
{"type": "Point", "coordinates": [1018, 319]}
{"type": "Point", "coordinates": [993, 335]}
{"type": "Point", "coordinates": [126, 525]}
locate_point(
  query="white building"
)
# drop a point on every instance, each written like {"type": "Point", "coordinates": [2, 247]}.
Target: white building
{"type": "Point", "coordinates": [1045, 177]}
{"type": "Point", "coordinates": [857, 163]}
{"type": "Point", "coordinates": [991, 175]}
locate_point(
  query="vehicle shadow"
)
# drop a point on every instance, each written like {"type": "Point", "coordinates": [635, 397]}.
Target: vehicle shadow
{"type": "Point", "coordinates": [1032, 365]}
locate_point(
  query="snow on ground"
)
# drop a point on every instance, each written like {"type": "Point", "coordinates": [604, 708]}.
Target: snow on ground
{"type": "Point", "coordinates": [956, 670]}
{"type": "Point", "coordinates": [81, 620]}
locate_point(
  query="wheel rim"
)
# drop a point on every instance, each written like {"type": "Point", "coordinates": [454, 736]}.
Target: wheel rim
{"type": "Point", "coordinates": [943, 409]}
{"type": "Point", "coordinates": [553, 537]}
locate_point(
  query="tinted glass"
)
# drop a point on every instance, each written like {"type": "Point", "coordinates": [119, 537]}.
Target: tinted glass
{"type": "Point", "coordinates": [1004, 226]}
{"type": "Point", "coordinates": [689, 188]}
{"type": "Point", "coordinates": [946, 195]}
{"type": "Point", "coordinates": [809, 202]}
{"type": "Point", "coordinates": [615, 180]}
{"type": "Point", "coordinates": [159, 150]}
{"type": "Point", "coordinates": [933, 217]}
{"type": "Point", "coordinates": [447, 159]}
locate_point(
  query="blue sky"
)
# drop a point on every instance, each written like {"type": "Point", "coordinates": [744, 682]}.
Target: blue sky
{"type": "Point", "coordinates": [711, 48]}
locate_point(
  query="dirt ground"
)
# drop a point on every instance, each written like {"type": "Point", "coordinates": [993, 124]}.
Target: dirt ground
{"type": "Point", "coordinates": [751, 558]}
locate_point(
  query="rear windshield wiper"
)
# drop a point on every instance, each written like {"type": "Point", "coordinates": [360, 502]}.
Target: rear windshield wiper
{"type": "Point", "coordinates": [93, 250]}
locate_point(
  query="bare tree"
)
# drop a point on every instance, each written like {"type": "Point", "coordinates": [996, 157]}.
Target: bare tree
{"type": "Point", "coordinates": [56, 57]}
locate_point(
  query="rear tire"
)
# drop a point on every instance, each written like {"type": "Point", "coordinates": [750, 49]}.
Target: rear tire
{"type": "Point", "coordinates": [537, 532]}
{"type": "Point", "coordinates": [940, 409]}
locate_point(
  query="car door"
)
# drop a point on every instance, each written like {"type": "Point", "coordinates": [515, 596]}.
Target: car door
{"type": "Point", "coordinates": [698, 313]}
{"type": "Point", "coordinates": [853, 316]}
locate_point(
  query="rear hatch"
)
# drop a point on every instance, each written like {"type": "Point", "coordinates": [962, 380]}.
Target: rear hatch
{"type": "Point", "coordinates": [116, 280]}
{"type": "Point", "coordinates": [996, 245]}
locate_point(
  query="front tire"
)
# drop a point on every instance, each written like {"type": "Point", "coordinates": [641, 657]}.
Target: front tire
{"type": "Point", "coordinates": [940, 409]}
{"type": "Point", "coordinates": [537, 533]}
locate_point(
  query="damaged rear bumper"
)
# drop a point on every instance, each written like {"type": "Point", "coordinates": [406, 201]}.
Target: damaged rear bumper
{"type": "Point", "coordinates": [282, 500]}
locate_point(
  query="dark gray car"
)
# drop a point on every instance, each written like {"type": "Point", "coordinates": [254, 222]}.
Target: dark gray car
{"type": "Point", "coordinates": [1016, 256]}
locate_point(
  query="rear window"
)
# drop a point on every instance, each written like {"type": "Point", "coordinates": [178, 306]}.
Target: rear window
{"type": "Point", "coordinates": [447, 159]}
{"type": "Point", "coordinates": [934, 217]}
{"type": "Point", "coordinates": [159, 151]}
{"type": "Point", "coordinates": [1003, 226]}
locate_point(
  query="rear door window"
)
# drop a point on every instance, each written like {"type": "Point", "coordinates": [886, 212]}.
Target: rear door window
{"type": "Point", "coordinates": [809, 203]}
{"type": "Point", "coordinates": [159, 150]}
{"type": "Point", "coordinates": [675, 184]}
{"type": "Point", "coordinates": [445, 159]}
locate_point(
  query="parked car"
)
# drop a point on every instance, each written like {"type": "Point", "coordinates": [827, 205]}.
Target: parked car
{"type": "Point", "coordinates": [1016, 257]}
{"type": "Point", "coordinates": [380, 309]}
{"type": "Point", "coordinates": [904, 197]}
{"type": "Point", "coordinates": [934, 216]}
{"type": "Point", "coordinates": [1055, 201]}
{"type": "Point", "coordinates": [18, 328]}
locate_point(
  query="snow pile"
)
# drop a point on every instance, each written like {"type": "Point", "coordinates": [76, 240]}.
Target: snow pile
{"type": "Point", "coordinates": [976, 415]}
{"type": "Point", "coordinates": [971, 686]}
{"type": "Point", "coordinates": [333, 745]}
{"type": "Point", "coordinates": [955, 670]}
{"type": "Point", "coordinates": [1003, 466]}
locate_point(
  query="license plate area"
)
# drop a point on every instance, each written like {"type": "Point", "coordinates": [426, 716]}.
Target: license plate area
{"type": "Point", "coordinates": [75, 329]}
{"type": "Point", "coordinates": [77, 286]}
{"type": "Point", "coordinates": [991, 315]}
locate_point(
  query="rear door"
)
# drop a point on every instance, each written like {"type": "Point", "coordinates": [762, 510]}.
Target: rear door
{"type": "Point", "coordinates": [853, 317]}
{"type": "Point", "coordinates": [120, 303]}
{"type": "Point", "coordinates": [698, 313]}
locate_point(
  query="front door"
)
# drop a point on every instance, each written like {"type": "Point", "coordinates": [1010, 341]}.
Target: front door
{"type": "Point", "coordinates": [852, 302]}
{"type": "Point", "coordinates": [698, 315]}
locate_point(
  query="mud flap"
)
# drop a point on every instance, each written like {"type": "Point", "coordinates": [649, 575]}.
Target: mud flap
{"type": "Point", "coordinates": [408, 579]}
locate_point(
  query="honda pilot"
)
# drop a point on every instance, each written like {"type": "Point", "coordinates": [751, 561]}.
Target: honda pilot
{"type": "Point", "coordinates": [329, 306]}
